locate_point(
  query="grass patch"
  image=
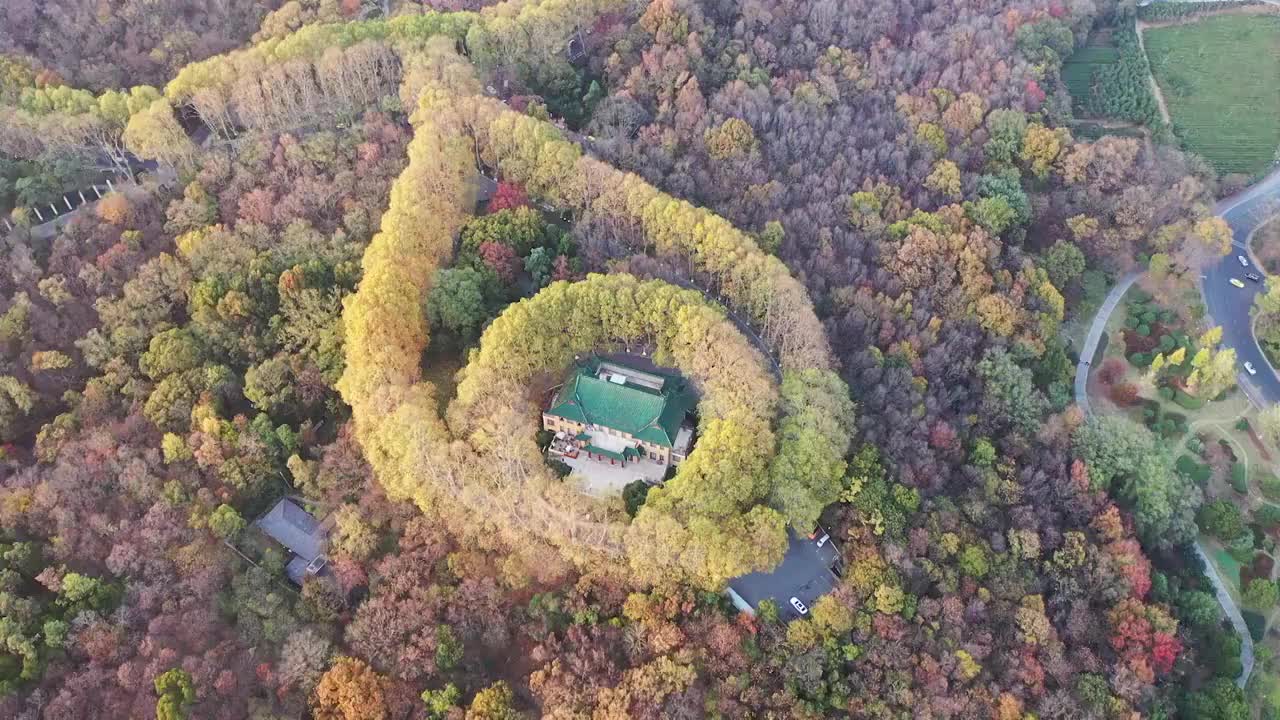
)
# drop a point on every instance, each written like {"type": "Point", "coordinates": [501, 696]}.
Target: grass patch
{"type": "Point", "coordinates": [1077, 71]}
{"type": "Point", "coordinates": [1239, 478]}
{"type": "Point", "coordinates": [1221, 80]}
{"type": "Point", "coordinates": [1197, 471]}
{"type": "Point", "coordinates": [1230, 566]}
{"type": "Point", "coordinates": [1187, 401]}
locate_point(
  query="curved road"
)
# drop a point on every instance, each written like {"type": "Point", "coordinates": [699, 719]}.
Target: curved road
{"type": "Point", "coordinates": [1229, 307]}
{"type": "Point", "coordinates": [1082, 400]}
{"type": "Point", "coordinates": [1095, 336]}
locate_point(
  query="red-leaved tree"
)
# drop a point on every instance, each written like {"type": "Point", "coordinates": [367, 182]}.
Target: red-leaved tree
{"type": "Point", "coordinates": [508, 195]}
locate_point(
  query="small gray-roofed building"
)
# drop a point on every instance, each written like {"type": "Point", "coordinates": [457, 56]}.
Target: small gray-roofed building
{"type": "Point", "coordinates": [299, 531]}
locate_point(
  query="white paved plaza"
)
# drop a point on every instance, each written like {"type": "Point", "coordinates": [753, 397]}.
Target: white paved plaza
{"type": "Point", "coordinates": [599, 478]}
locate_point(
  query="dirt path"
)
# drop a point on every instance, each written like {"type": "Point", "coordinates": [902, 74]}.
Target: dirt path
{"type": "Point", "coordinates": [1151, 79]}
{"type": "Point", "coordinates": [1269, 7]}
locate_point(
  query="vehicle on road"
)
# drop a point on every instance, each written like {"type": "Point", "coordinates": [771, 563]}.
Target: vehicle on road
{"type": "Point", "coordinates": [1244, 261]}
{"type": "Point", "coordinates": [1236, 282]}
{"type": "Point", "coordinates": [799, 606]}
{"type": "Point", "coordinates": [1248, 366]}
{"type": "Point", "coordinates": [1253, 276]}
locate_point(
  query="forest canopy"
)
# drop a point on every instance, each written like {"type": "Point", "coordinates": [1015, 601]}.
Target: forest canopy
{"type": "Point", "coordinates": [353, 244]}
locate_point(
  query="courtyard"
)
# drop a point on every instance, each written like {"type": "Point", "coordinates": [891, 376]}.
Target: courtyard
{"type": "Point", "coordinates": [600, 479]}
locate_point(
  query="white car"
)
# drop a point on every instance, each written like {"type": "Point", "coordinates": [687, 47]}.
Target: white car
{"type": "Point", "coordinates": [1248, 366]}
{"type": "Point", "coordinates": [799, 606]}
{"type": "Point", "coordinates": [1244, 262]}
{"type": "Point", "coordinates": [823, 540]}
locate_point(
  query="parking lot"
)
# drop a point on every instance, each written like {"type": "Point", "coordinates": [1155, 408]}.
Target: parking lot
{"type": "Point", "coordinates": [805, 574]}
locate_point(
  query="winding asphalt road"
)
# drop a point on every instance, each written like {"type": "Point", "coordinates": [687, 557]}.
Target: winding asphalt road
{"type": "Point", "coordinates": [1095, 336]}
{"type": "Point", "coordinates": [1229, 307]}
{"type": "Point", "coordinates": [1082, 399]}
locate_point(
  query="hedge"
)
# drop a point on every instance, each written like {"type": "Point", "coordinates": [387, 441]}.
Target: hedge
{"type": "Point", "coordinates": [1256, 623]}
{"type": "Point", "coordinates": [1239, 480]}
{"type": "Point", "coordinates": [1187, 401]}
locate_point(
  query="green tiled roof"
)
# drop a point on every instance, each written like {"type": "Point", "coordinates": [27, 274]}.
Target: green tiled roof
{"type": "Point", "coordinates": [650, 415]}
{"type": "Point", "coordinates": [606, 453]}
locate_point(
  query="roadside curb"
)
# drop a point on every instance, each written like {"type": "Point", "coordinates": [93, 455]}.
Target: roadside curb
{"type": "Point", "coordinates": [1253, 331]}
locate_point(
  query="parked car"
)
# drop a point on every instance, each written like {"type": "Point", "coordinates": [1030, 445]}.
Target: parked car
{"type": "Point", "coordinates": [799, 606]}
{"type": "Point", "coordinates": [1248, 366]}
{"type": "Point", "coordinates": [1237, 283]}
{"type": "Point", "coordinates": [1244, 261]}
{"type": "Point", "coordinates": [822, 539]}
{"type": "Point", "coordinates": [1253, 276]}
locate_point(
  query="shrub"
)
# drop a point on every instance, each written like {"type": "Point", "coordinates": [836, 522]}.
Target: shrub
{"type": "Point", "coordinates": [634, 495]}
{"type": "Point", "coordinates": [1123, 394]}
{"type": "Point", "coordinates": [1166, 393]}
{"type": "Point", "coordinates": [1221, 519]}
{"type": "Point", "coordinates": [1262, 563]}
{"type": "Point", "coordinates": [115, 209]}
{"type": "Point", "coordinates": [1260, 594]}
{"type": "Point", "coordinates": [1268, 515]}
{"type": "Point", "coordinates": [1112, 370]}
{"type": "Point", "coordinates": [47, 360]}
{"type": "Point", "coordinates": [1242, 424]}
{"type": "Point", "coordinates": [1195, 445]}
{"type": "Point", "coordinates": [560, 468]}
{"type": "Point", "coordinates": [544, 438]}
{"type": "Point", "coordinates": [1270, 485]}
{"type": "Point", "coordinates": [1242, 549]}
{"type": "Point", "coordinates": [1144, 330]}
